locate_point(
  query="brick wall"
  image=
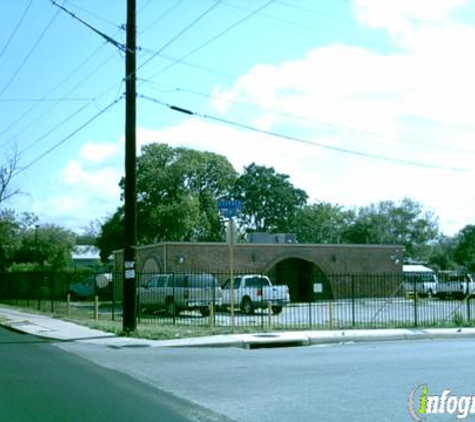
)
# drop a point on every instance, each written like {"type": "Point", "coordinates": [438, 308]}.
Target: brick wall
{"type": "Point", "coordinates": [264, 258]}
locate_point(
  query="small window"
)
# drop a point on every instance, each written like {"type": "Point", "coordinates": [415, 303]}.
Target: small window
{"type": "Point", "coordinates": [177, 280]}
{"type": "Point", "coordinates": [257, 282]}
{"type": "Point", "coordinates": [237, 283]}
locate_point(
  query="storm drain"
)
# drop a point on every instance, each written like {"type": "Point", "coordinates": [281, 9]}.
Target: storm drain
{"type": "Point", "coordinates": [128, 346]}
{"type": "Point", "coordinates": [272, 341]}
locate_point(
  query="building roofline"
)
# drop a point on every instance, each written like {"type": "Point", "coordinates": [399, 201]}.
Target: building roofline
{"type": "Point", "coordinates": [275, 245]}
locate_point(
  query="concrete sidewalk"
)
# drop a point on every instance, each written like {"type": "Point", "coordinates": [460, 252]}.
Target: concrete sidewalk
{"type": "Point", "coordinates": [59, 330]}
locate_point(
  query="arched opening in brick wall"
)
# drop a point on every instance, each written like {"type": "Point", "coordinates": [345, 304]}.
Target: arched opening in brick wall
{"type": "Point", "coordinates": [151, 266]}
{"type": "Point", "coordinates": [306, 281]}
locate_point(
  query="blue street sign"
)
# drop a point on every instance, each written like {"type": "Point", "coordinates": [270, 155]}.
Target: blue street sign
{"type": "Point", "coordinates": [229, 208]}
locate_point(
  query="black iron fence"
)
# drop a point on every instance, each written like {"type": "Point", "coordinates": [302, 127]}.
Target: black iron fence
{"type": "Point", "coordinates": [337, 301]}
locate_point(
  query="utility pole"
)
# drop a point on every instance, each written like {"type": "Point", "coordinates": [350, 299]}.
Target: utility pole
{"type": "Point", "coordinates": [129, 291]}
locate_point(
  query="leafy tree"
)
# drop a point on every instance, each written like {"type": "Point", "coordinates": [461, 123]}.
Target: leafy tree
{"type": "Point", "coordinates": [465, 248]}
{"type": "Point", "coordinates": [269, 200]}
{"type": "Point", "coordinates": [112, 235]}
{"type": "Point", "coordinates": [387, 222]}
{"type": "Point", "coordinates": [321, 223]}
{"type": "Point", "coordinates": [48, 246]}
{"type": "Point", "coordinates": [177, 193]}
{"type": "Point", "coordinates": [9, 237]}
{"type": "Point", "coordinates": [442, 253]}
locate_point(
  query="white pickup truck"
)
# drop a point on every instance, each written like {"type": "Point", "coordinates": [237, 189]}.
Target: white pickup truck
{"type": "Point", "coordinates": [255, 291]}
{"type": "Point", "coordinates": [454, 284]}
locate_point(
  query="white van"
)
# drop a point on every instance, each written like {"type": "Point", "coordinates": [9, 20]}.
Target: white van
{"type": "Point", "coordinates": [420, 279]}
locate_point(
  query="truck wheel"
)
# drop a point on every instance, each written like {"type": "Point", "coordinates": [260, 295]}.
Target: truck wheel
{"type": "Point", "coordinates": [170, 307]}
{"type": "Point", "coordinates": [246, 306]}
{"type": "Point", "coordinates": [276, 310]}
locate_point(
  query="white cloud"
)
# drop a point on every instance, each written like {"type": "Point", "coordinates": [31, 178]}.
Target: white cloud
{"type": "Point", "coordinates": [97, 152]}
{"type": "Point", "coordinates": [398, 17]}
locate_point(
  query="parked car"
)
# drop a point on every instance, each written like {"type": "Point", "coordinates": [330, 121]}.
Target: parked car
{"type": "Point", "coordinates": [88, 287]}
{"type": "Point", "coordinates": [455, 284]}
{"type": "Point", "coordinates": [254, 291]}
{"type": "Point", "coordinates": [420, 279]}
{"type": "Point", "coordinates": [174, 293]}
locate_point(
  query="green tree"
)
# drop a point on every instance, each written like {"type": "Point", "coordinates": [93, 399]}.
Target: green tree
{"type": "Point", "coordinates": [321, 223]}
{"type": "Point", "coordinates": [47, 246]}
{"type": "Point", "coordinates": [387, 222]}
{"type": "Point", "coordinates": [269, 200]}
{"type": "Point", "coordinates": [177, 190]}
{"type": "Point", "coordinates": [9, 237]}
{"type": "Point", "coordinates": [112, 235]}
{"type": "Point", "coordinates": [177, 193]}
{"type": "Point", "coordinates": [442, 253]}
{"type": "Point", "coordinates": [465, 247]}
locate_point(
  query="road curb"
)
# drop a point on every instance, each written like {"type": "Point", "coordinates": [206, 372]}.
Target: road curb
{"type": "Point", "coordinates": [64, 331]}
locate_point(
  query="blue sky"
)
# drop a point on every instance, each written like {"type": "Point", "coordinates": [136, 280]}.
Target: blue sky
{"type": "Point", "coordinates": [381, 93]}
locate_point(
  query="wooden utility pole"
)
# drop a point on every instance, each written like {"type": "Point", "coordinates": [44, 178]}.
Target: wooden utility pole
{"type": "Point", "coordinates": [129, 292]}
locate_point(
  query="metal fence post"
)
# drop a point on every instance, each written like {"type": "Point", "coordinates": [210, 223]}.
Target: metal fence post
{"type": "Point", "coordinates": [52, 288]}
{"type": "Point", "coordinates": [468, 308]}
{"type": "Point", "coordinates": [211, 315]}
{"type": "Point", "coordinates": [414, 288]}
{"type": "Point", "coordinates": [269, 314]}
{"type": "Point", "coordinates": [353, 304]}
{"type": "Point", "coordinates": [96, 308]}
{"type": "Point", "coordinates": [330, 314]}
{"type": "Point", "coordinates": [262, 305]}
{"type": "Point", "coordinates": [310, 314]}
{"type": "Point", "coordinates": [173, 293]}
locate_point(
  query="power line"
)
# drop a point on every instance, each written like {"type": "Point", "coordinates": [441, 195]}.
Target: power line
{"type": "Point", "coordinates": [43, 100]}
{"type": "Point", "coordinates": [190, 64]}
{"type": "Point", "coordinates": [162, 16]}
{"type": "Point", "coordinates": [214, 38]}
{"type": "Point", "coordinates": [184, 30]}
{"type": "Point", "coordinates": [313, 11]}
{"type": "Point", "coordinates": [320, 122]}
{"type": "Point", "coordinates": [62, 141]}
{"type": "Point", "coordinates": [310, 27]}
{"type": "Point", "coordinates": [35, 45]}
{"type": "Point", "coordinates": [56, 127]}
{"type": "Point", "coordinates": [102, 18]}
{"type": "Point", "coordinates": [109, 39]}
{"type": "Point", "coordinates": [303, 141]}
{"type": "Point", "coordinates": [16, 28]}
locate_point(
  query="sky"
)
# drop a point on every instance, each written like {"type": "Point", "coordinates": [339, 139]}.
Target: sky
{"type": "Point", "coordinates": [358, 101]}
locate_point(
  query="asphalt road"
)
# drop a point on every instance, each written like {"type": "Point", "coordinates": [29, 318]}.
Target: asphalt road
{"type": "Point", "coordinates": [347, 382]}
{"type": "Point", "coordinates": [41, 382]}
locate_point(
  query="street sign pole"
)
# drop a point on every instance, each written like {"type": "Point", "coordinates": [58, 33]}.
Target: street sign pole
{"type": "Point", "coordinates": [228, 209]}
{"type": "Point", "coordinates": [231, 242]}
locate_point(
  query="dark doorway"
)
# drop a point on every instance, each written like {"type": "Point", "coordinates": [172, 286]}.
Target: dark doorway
{"type": "Point", "coordinates": [305, 280]}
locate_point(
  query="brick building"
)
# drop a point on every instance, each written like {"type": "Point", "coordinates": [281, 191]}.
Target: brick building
{"type": "Point", "coordinates": [311, 271]}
